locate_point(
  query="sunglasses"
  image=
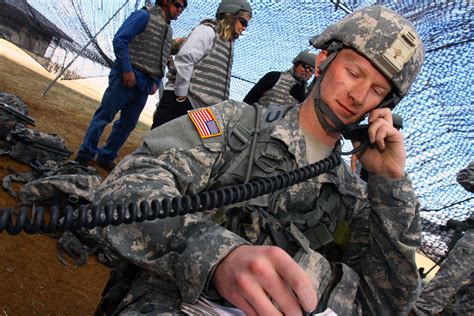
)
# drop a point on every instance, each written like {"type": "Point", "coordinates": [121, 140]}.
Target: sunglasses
{"type": "Point", "coordinates": [307, 67]}
{"type": "Point", "coordinates": [244, 22]}
{"type": "Point", "coordinates": [178, 5]}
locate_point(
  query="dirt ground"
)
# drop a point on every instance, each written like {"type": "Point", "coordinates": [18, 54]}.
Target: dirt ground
{"type": "Point", "coordinates": [32, 280]}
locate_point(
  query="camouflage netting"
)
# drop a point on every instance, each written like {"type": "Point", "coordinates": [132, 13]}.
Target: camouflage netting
{"type": "Point", "coordinates": [438, 113]}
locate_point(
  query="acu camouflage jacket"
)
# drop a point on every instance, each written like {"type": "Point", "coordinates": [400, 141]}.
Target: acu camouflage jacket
{"type": "Point", "coordinates": [178, 255]}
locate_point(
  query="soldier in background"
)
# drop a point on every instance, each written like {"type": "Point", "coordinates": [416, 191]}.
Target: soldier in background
{"type": "Point", "coordinates": [236, 257]}
{"type": "Point", "coordinates": [284, 87]}
{"type": "Point", "coordinates": [142, 47]}
{"type": "Point", "coordinates": [451, 291]}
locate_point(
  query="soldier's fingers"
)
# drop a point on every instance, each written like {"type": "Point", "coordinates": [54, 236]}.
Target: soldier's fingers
{"type": "Point", "coordinates": [376, 129]}
{"type": "Point", "coordinates": [257, 298]}
{"type": "Point", "coordinates": [298, 281]}
{"type": "Point", "coordinates": [381, 113]}
{"type": "Point", "coordinates": [379, 138]}
{"type": "Point", "coordinates": [244, 306]}
{"type": "Point", "coordinates": [280, 292]}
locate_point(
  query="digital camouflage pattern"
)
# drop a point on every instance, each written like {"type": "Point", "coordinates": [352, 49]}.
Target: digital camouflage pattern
{"type": "Point", "coordinates": [177, 256]}
{"type": "Point", "coordinates": [69, 180]}
{"type": "Point", "coordinates": [452, 288]}
{"type": "Point", "coordinates": [455, 272]}
{"type": "Point", "coordinates": [27, 145]}
{"type": "Point", "coordinates": [385, 38]}
{"type": "Point", "coordinates": [149, 51]}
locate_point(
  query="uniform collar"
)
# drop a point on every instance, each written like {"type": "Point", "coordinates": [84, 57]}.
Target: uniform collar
{"type": "Point", "coordinates": [289, 132]}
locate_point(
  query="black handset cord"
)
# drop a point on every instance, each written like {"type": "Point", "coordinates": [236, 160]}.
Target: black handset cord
{"type": "Point", "coordinates": [95, 216]}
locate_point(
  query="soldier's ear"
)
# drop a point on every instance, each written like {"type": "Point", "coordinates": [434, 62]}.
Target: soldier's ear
{"type": "Point", "coordinates": [320, 58]}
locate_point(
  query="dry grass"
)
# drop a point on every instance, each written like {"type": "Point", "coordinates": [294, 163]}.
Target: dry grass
{"type": "Point", "coordinates": [33, 281]}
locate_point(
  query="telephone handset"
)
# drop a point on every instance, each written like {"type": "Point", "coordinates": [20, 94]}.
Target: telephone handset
{"type": "Point", "coordinates": [356, 131]}
{"type": "Point", "coordinates": [360, 132]}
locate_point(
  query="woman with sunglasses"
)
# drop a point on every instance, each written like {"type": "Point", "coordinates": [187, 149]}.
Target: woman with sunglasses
{"type": "Point", "coordinates": [202, 68]}
{"type": "Point", "coordinates": [285, 87]}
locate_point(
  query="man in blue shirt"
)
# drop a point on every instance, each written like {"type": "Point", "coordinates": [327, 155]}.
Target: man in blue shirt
{"type": "Point", "coordinates": [142, 47]}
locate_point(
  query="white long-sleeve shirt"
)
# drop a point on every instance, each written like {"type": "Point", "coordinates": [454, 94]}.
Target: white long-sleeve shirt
{"type": "Point", "coordinates": [196, 46]}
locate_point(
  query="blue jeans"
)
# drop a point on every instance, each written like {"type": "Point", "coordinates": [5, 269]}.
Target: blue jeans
{"type": "Point", "coordinates": [130, 102]}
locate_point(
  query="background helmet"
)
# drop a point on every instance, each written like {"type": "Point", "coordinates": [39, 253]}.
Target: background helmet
{"type": "Point", "coordinates": [306, 57]}
{"type": "Point", "coordinates": [233, 6]}
{"type": "Point", "coordinates": [385, 38]}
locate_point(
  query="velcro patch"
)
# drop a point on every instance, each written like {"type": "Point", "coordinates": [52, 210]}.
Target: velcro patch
{"type": "Point", "coordinates": [205, 122]}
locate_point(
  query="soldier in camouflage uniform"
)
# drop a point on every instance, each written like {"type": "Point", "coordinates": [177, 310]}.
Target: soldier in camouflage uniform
{"type": "Point", "coordinates": [451, 291]}
{"type": "Point", "coordinates": [284, 87]}
{"type": "Point", "coordinates": [367, 63]}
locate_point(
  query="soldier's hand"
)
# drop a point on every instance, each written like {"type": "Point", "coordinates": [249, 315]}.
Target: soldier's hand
{"type": "Point", "coordinates": [264, 280]}
{"type": "Point", "coordinates": [129, 79]}
{"type": "Point", "coordinates": [386, 153]}
{"type": "Point", "coordinates": [153, 89]}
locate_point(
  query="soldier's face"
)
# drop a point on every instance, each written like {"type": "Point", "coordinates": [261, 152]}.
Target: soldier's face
{"type": "Point", "coordinates": [303, 71]}
{"type": "Point", "coordinates": [352, 86]}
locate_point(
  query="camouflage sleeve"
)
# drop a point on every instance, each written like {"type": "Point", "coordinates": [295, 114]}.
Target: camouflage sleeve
{"type": "Point", "coordinates": [454, 273]}
{"type": "Point", "coordinates": [184, 249]}
{"type": "Point", "coordinates": [385, 236]}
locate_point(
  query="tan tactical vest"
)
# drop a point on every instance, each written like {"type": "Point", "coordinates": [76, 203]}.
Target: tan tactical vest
{"type": "Point", "coordinates": [150, 50]}
{"type": "Point", "coordinates": [210, 81]}
{"type": "Point", "coordinates": [280, 92]}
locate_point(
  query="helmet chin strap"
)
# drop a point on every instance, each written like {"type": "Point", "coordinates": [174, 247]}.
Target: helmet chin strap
{"type": "Point", "coordinates": [327, 118]}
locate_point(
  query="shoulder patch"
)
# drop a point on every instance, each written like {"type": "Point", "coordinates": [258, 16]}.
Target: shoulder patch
{"type": "Point", "coordinates": [205, 122]}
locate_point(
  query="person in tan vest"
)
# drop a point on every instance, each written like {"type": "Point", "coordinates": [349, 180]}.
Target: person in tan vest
{"type": "Point", "coordinates": [201, 72]}
{"type": "Point", "coordinates": [141, 46]}
{"type": "Point", "coordinates": [284, 87]}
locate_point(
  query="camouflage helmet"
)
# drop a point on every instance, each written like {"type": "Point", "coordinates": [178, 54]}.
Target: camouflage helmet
{"type": "Point", "coordinates": [306, 57]}
{"type": "Point", "coordinates": [233, 6]}
{"type": "Point", "coordinates": [385, 38]}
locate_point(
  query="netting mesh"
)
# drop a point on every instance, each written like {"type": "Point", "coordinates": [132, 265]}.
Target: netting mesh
{"type": "Point", "coordinates": [438, 113]}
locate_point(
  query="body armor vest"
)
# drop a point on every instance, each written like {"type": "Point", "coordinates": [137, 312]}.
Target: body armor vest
{"type": "Point", "coordinates": [261, 221]}
{"type": "Point", "coordinates": [210, 81]}
{"type": "Point", "coordinates": [280, 92]}
{"type": "Point", "coordinates": [149, 50]}
{"type": "Point", "coordinates": [271, 155]}
{"type": "Point", "coordinates": [258, 223]}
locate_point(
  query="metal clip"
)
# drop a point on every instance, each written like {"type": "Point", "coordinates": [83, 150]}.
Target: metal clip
{"type": "Point", "coordinates": [299, 237]}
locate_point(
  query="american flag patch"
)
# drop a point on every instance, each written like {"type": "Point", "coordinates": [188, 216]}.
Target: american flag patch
{"type": "Point", "coordinates": [205, 122]}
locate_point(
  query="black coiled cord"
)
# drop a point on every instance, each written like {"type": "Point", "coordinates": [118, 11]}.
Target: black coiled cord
{"type": "Point", "coordinates": [148, 211]}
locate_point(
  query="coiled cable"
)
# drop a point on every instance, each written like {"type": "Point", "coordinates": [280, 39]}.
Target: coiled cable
{"type": "Point", "coordinates": [90, 216]}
